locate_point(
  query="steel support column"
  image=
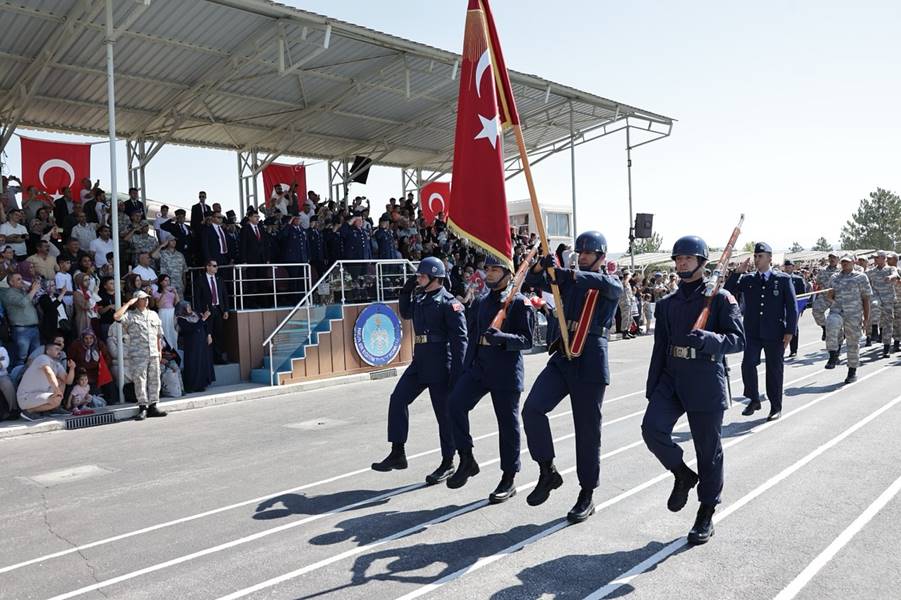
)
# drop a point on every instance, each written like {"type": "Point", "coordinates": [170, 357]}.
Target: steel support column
{"type": "Point", "coordinates": [572, 167]}
{"type": "Point", "coordinates": [248, 191]}
{"type": "Point", "coordinates": [631, 220]}
{"type": "Point", "coordinates": [136, 153]}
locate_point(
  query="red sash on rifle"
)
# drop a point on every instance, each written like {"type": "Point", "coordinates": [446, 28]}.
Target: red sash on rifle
{"type": "Point", "coordinates": [581, 334]}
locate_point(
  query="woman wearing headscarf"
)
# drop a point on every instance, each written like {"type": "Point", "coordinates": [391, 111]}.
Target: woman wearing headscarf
{"type": "Point", "coordinates": [196, 344]}
{"type": "Point", "coordinates": [87, 352]}
{"type": "Point", "coordinates": [85, 302]}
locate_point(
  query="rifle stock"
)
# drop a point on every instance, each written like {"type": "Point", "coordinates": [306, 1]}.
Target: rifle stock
{"type": "Point", "coordinates": [516, 285]}
{"type": "Point", "coordinates": [716, 277]}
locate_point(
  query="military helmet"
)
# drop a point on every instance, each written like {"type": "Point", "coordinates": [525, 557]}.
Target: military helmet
{"type": "Point", "coordinates": [493, 261]}
{"type": "Point", "coordinates": [591, 241]}
{"type": "Point", "coordinates": [431, 266]}
{"type": "Point", "coordinates": [690, 245]}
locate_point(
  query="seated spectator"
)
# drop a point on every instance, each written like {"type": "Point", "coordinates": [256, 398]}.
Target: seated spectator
{"type": "Point", "coordinates": [72, 250]}
{"type": "Point", "coordinates": [81, 401]}
{"type": "Point", "coordinates": [44, 264]}
{"type": "Point", "coordinates": [92, 355]}
{"type": "Point", "coordinates": [7, 388]}
{"type": "Point", "coordinates": [144, 268]}
{"type": "Point", "coordinates": [41, 390]}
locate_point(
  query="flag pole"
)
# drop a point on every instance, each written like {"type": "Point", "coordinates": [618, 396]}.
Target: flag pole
{"type": "Point", "coordinates": [542, 235]}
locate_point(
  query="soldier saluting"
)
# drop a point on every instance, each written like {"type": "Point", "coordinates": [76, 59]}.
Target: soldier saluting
{"type": "Point", "coordinates": [770, 320]}
{"type": "Point", "coordinates": [494, 365]}
{"type": "Point", "coordinates": [439, 324]}
{"type": "Point", "coordinates": [590, 297]}
{"type": "Point", "coordinates": [687, 375]}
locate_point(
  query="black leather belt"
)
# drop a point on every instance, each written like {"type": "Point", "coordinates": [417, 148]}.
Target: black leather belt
{"type": "Point", "coordinates": [428, 339]}
{"type": "Point", "coordinates": [593, 330]}
{"type": "Point", "coordinates": [688, 353]}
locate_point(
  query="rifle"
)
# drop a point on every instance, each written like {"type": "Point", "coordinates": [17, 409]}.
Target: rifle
{"type": "Point", "coordinates": [515, 286]}
{"type": "Point", "coordinates": [716, 277]}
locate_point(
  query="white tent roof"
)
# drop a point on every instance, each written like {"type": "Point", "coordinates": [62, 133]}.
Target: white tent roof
{"type": "Point", "coordinates": [257, 75]}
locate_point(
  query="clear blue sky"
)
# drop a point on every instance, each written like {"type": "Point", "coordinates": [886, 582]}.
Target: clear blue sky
{"type": "Point", "coordinates": [787, 110]}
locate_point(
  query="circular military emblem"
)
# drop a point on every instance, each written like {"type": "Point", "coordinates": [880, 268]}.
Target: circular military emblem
{"type": "Point", "coordinates": [377, 335]}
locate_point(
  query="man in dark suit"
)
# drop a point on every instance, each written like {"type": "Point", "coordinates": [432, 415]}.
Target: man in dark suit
{"type": "Point", "coordinates": [214, 242]}
{"type": "Point", "coordinates": [800, 287]}
{"type": "Point", "coordinates": [770, 320]}
{"type": "Point", "coordinates": [210, 295]}
{"type": "Point", "coordinates": [252, 250]}
{"type": "Point", "coordinates": [199, 213]}
{"type": "Point", "coordinates": [180, 231]}
{"type": "Point", "coordinates": [134, 204]}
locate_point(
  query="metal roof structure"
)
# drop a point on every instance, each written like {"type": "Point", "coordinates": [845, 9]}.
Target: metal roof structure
{"type": "Point", "coordinates": [255, 75]}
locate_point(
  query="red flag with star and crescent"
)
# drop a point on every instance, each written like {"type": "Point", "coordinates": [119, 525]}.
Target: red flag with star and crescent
{"type": "Point", "coordinates": [485, 108]}
{"type": "Point", "coordinates": [51, 166]}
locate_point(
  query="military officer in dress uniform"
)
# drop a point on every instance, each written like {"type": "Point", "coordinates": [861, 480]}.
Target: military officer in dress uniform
{"type": "Point", "coordinates": [439, 324]}
{"type": "Point", "coordinates": [386, 240]}
{"type": "Point", "coordinates": [849, 311]}
{"type": "Point", "coordinates": [883, 279]}
{"type": "Point", "coordinates": [820, 302]}
{"type": "Point", "coordinates": [770, 320]}
{"type": "Point", "coordinates": [800, 288]}
{"type": "Point", "coordinates": [590, 297]}
{"type": "Point", "coordinates": [687, 374]}
{"type": "Point", "coordinates": [494, 365]}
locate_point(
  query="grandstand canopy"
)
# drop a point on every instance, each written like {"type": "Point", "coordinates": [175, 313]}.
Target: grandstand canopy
{"type": "Point", "coordinates": [256, 75]}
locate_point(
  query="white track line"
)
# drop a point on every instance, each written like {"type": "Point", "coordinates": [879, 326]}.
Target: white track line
{"type": "Point", "coordinates": [665, 552]}
{"type": "Point", "coordinates": [466, 509]}
{"type": "Point", "coordinates": [259, 499]}
{"type": "Point", "coordinates": [826, 555]}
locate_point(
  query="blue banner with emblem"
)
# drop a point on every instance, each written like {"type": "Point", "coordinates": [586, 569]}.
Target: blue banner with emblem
{"type": "Point", "coordinates": [377, 334]}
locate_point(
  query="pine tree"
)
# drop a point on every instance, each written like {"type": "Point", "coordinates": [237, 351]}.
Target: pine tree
{"type": "Point", "coordinates": [876, 224]}
{"type": "Point", "coordinates": [648, 245]}
{"type": "Point", "coordinates": [822, 245]}
{"type": "Point", "coordinates": [796, 247]}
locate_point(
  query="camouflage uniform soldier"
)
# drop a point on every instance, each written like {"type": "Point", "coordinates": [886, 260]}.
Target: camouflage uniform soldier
{"type": "Point", "coordinates": [883, 280]}
{"type": "Point", "coordinates": [892, 260]}
{"type": "Point", "coordinates": [820, 303]}
{"type": "Point", "coordinates": [625, 306]}
{"type": "Point", "coordinates": [142, 352]}
{"type": "Point", "coordinates": [850, 310]}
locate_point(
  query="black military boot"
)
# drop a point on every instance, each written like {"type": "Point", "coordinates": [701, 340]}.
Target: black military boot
{"type": "Point", "coordinates": [751, 408]}
{"type": "Point", "coordinates": [504, 490]}
{"type": "Point", "coordinates": [583, 508]}
{"type": "Point", "coordinates": [886, 350]}
{"type": "Point", "coordinates": [153, 411]}
{"type": "Point", "coordinates": [444, 470]}
{"type": "Point", "coordinates": [548, 480]}
{"type": "Point", "coordinates": [468, 468]}
{"type": "Point", "coordinates": [686, 479]}
{"type": "Point", "coordinates": [852, 375]}
{"type": "Point", "coordinates": [702, 530]}
{"type": "Point", "coordinates": [397, 459]}
{"type": "Point", "coordinates": [897, 347]}
{"type": "Point", "coordinates": [833, 359]}
{"type": "Point", "coordinates": [142, 413]}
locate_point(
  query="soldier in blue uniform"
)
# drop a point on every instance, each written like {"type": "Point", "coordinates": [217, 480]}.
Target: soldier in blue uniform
{"type": "Point", "coordinates": [356, 240]}
{"type": "Point", "coordinates": [589, 300]}
{"type": "Point", "coordinates": [386, 240]}
{"type": "Point", "coordinates": [439, 324]}
{"type": "Point", "coordinates": [788, 267]}
{"type": "Point", "coordinates": [688, 374]}
{"type": "Point", "coordinates": [494, 365]}
{"type": "Point", "coordinates": [770, 320]}
{"type": "Point", "coordinates": [317, 248]}
{"type": "Point", "coordinates": [295, 248]}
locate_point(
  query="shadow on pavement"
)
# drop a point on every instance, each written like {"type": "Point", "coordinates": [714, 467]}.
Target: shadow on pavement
{"type": "Point", "coordinates": [422, 564]}
{"type": "Point", "coordinates": [301, 504]}
{"type": "Point", "coordinates": [369, 528]}
{"type": "Point", "coordinates": [577, 575]}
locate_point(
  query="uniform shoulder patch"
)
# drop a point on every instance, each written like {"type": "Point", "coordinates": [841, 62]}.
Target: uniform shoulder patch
{"type": "Point", "coordinates": [456, 306]}
{"type": "Point", "coordinates": [729, 297]}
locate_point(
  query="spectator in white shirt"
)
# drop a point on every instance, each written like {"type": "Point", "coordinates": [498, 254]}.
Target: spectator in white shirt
{"type": "Point", "coordinates": [83, 231]}
{"type": "Point", "coordinates": [161, 218]}
{"type": "Point", "coordinates": [101, 246]}
{"type": "Point", "coordinates": [145, 270]}
{"type": "Point", "coordinates": [15, 233]}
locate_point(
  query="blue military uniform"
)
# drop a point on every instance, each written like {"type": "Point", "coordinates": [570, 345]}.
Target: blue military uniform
{"type": "Point", "coordinates": [439, 324]}
{"type": "Point", "coordinates": [584, 378]}
{"type": "Point", "coordinates": [684, 379]}
{"type": "Point", "coordinates": [494, 364]}
{"type": "Point", "coordinates": [317, 250]}
{"type": "Point", "coordinates": [356, 243]}
{"type": "Point", "coordinates": [387, 244]}
{"type": "Point", "coordinates": [770, 311]}
{"type": "Point", "coordinates": [800, 288]}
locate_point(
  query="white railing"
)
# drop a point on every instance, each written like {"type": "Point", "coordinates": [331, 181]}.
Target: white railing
{"type": "Point", "coordinates": [255, 286]}
{"type": "Point", "coordinates": [349, 275]}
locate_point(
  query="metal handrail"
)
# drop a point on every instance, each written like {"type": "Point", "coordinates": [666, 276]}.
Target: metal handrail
{"type": "Point", "coordinates": [305, 301]}
{"type": "Point", "coordinates": [236, 284]}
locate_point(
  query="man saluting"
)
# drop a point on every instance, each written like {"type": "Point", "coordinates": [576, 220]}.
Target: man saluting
{"type": "Point", "coordinates": [687, 374]}
{"type": "Point", "coordinates": [589, 301]}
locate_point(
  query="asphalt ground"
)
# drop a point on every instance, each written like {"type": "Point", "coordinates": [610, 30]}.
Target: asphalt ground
{"type": "Point", "coordinates": [275, 499]}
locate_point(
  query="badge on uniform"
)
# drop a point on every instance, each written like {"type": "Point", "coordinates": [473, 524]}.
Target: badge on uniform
{"type": "Point", "coordinates": [457, 306]}
{"type": "Point", "coordinates": [776, 292]}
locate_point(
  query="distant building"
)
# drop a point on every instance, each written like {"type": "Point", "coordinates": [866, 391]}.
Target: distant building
{"type": "Point", "coordinates": [558, 219]}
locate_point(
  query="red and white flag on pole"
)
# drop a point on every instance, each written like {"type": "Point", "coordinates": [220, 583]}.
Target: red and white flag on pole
{"type": "Point", "coordinates": [51, 166]}
{"type": "Point", "coordinates": [286, 176]}
{"type": "Point", "coordinates": [478, 204]}
{"type": "Point", "coordinates": [435, 200]}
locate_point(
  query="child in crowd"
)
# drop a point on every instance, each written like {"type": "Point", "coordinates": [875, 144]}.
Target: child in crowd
{"type": "Point", "coordinates": [64, 281]}
{"type": "Point", "coordinates": [80, 399]}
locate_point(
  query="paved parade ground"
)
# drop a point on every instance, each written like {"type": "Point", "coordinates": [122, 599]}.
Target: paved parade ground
{"type": "Point", "coordinates": [275, 499]}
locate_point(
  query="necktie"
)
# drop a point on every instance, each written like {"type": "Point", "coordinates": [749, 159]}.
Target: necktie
{"type": "Point", "coordinates": [223, 245]}
{"type": "Point", "coordinates": [214, 291]}
{"type": "Point", "coordinates": [256, 232]}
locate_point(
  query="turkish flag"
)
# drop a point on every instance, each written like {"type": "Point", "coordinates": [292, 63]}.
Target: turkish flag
{"type": "Point", "coordinates": [286, 176]}
{"type": "Point", "coordinates": [478, 204]}
{"type": "Point", "coordinates": [51, 166]}
{"type": "Point", "coordinates": [434, 199]}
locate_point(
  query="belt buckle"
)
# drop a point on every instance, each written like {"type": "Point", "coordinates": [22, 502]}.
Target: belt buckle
{"type": "Point", "coordinates": [680, 352]}
{"type": "Point", "coordinates": [421, 339]}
